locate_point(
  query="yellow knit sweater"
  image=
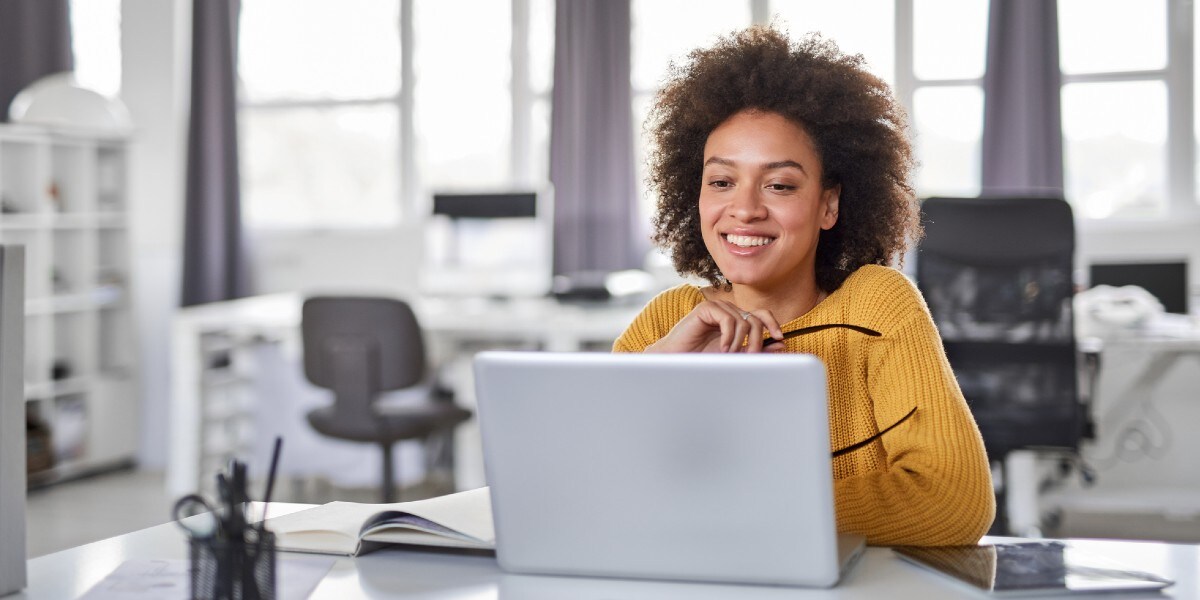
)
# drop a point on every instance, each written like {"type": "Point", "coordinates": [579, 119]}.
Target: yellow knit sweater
{"type": "Point", "coordinates": [926, 482]}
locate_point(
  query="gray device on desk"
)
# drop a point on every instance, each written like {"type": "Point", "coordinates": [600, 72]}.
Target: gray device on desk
{"type": "Point", "coordinates": [692, 467]}
{"type": "Point", "coordinates": [1041, 568]}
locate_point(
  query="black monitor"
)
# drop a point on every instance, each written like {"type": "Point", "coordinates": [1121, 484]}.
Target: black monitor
{"type": "Point", "coordinates": [486, 206]}
{"type": "Point", "coordinates": [1167, 281]}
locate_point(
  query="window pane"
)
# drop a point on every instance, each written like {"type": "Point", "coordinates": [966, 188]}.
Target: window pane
{"type": "Point", "coordinates": [858, 26]}
{"type": "Point", "coordinates": [96, 44]}
{"type": "Point", "coordinates": [668, 29]}
{"type": "Point", "coordinates": [321, 167]}
{"type": "Point", "coordinates": [1114, 142]}
{"type": "Point", "coordinates": [949, 38]}
{"type": "Point", "coordinates": [541, 45]}
{"type": "Point", "coordinates": [541, 142]}
{"type": "Point", "coordinates": [1098, 36]}
{"type": "Point", "coordinates": [303, 49]}
{"type": "Point", "coordinates": [463, 107]}
{"type": "Point", "coordinates": [646, 198]}
{"type": "Point", "coordinates": [949, 127]}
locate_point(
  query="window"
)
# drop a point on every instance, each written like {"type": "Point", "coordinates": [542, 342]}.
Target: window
{"type": "Point", "coordinates": [96, 44]}
{"type": "Point", "coordinates": [939, 78]}
{"type": "Point", "coordinates": [1115, 106]}
{"type": "Point", "coordinates": [353, 112]}
{"type": "Point", "coordinates": [665, 31]}
{"type": "Point", "coordinates": [942, 84]}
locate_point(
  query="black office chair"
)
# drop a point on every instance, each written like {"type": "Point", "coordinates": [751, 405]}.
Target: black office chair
{"type": "Point", "coordinates": [359, 347]}
{"type": "Point", "coordinates": [997, 274]}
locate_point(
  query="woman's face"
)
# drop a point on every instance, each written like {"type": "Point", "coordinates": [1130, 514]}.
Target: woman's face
{"type": "Point", "coordinates": [762, 206]}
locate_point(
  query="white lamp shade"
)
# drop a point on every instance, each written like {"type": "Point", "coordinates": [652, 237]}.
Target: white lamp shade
{"type": "Point", "coordinates": [58, 100]}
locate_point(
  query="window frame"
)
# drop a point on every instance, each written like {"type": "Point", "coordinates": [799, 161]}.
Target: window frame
{"type": "Point", "coordinates": [1178, 77]}
{"type": "Point", "coordinates": [413, 197]}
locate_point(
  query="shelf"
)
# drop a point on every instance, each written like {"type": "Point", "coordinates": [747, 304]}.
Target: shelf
{"type": "Point", "coordinates": [65, 194]}
{"type": "Point", "coordinates": [101, 297]}
{"type": "Point", "coordinates": [58, 221]}
{"type": "Point", "coordinates": [52, 389]}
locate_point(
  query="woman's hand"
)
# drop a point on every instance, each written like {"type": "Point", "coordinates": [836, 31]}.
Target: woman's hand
{"type": "Point", "coordinates": [720, 326]}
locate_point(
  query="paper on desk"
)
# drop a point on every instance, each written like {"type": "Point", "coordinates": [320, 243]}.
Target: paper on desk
{"type": "Point", "coordinates": [149, 579]}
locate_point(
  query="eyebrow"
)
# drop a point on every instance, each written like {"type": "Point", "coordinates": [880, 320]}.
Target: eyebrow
{"type": "Point", "coordinates": [771, 166]}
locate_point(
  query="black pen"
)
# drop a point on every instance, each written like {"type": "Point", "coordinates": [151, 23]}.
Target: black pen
{"type": "Point", "coordinates": [271, 479]}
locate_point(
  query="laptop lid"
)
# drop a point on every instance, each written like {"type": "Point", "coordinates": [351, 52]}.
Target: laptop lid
{"type": "Point", "coordinates": [681, 466]}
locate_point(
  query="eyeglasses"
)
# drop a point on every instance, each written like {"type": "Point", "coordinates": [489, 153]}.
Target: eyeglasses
{"type": "Point", "coordinates": [864, 330]}
{"type": "Point", "coordinates": [860, 444]}
{"type": "Point", "coordinates": [814, 328]}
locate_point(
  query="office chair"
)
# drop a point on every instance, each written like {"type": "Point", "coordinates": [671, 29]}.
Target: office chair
{"type": "Point", "coordinates": [359, 347]}
{"type": "Point", "coordinates": [997, 275]}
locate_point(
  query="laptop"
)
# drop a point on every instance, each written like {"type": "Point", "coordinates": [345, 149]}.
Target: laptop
{"type": "Point", "coordinates": [692, 467]}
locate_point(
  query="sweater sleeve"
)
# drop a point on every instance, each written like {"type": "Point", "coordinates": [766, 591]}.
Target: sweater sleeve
{"type": "Point", "coordinates": [657, 318]}
{"type": "Point", "coordinates": [935, 487]}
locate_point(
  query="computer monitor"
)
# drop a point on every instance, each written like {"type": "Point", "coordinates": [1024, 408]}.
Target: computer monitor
{"type": "Point", "coordinates": [488, 244]}
{"type": "Point", "coordinates": [12, 419]}
{"type": "Point", "coordinates": [1167, 281]}
{"type": "Point", "coordinates": [486, 206]}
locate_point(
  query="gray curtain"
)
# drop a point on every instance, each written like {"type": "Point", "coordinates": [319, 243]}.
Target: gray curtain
{"type": "Point", "coordinates": [35, 40]}
{"type": "Point", "coordinates": [591, 139]}
{"type": "Point", "coordinates": [214, 259]}
{"type": "Point", "coordinates": [1022, 123]}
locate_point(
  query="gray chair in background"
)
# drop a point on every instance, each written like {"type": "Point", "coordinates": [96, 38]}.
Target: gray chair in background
{"type": "Point", "coordinates": [360, 347]}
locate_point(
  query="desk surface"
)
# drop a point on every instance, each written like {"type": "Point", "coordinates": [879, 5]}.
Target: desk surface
{"type": "Point", "coordinates": [431, 576]}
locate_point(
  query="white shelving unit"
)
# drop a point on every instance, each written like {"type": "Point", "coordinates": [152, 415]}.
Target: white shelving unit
{"type": "Point", "coordinates": [63, 196]}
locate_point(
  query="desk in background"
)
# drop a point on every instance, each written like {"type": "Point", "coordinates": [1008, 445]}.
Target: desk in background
{"type": "Point", "coordinates": [436, 576]}
{"type": "Point", "coordinates": [214, 375]}
{"type": "Point", "coordinates": [1133, 368]}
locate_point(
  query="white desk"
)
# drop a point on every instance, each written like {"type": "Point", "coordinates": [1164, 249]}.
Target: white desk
{"type": "Point", "coordinates": [451, 326]}
{"type": "Point", "coordinates": [430, 576]}
{"type": "Point", "coordinates": [1154, 352]}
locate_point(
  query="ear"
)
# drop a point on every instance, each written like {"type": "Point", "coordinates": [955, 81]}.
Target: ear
{"type": "Point", "coordinates": [829, 206]}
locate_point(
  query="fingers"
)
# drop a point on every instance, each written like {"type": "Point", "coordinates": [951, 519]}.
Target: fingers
{"type": "Point", "coordinates": [745, 332]}
{"type": "Point", "coordinates": [721, 326]}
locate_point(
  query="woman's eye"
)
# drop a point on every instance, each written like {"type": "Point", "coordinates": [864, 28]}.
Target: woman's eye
{"type": "Point", "coordinates": [719, 184]}
{"type": "Point", "coordinates": [780, 187]}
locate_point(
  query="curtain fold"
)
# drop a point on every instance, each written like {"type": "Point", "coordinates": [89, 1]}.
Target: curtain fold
{"type": "Point", "coordinates": [214, 257]}
{"type": "Point", "coordinates": [35, 40]}
{"type": "Point", "coordinates": [591, 139]}
{"type": "Point", "coordinates": [1022, 124]}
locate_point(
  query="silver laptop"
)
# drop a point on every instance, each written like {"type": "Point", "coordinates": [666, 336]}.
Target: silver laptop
{"type": "Point", "coordinates": [693, 467]}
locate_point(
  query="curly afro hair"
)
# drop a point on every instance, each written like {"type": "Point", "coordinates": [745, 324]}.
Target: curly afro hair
{"type": "Point", "coordinates": [857, 126]}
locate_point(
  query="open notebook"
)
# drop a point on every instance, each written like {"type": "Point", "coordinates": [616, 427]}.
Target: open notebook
{"type": "Point", "coordinates": [462, 520]}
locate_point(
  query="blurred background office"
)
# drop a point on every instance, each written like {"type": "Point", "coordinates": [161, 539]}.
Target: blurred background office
{"type": "Point", "coordinates": [284, 148]}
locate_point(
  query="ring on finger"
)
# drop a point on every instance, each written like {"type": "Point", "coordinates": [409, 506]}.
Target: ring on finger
{"type": "Point", "coordinates": [745, 315]}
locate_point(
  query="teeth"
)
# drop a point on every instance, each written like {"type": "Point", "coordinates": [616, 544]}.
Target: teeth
{"type": "Point", "coordinates": [746, 241]}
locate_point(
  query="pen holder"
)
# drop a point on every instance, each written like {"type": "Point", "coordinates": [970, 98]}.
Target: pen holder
{"type": "Point", "coordinates": [233, 569]}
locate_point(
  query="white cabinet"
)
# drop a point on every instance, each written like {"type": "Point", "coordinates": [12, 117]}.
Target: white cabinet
{"type": "Point", "coordinates": [63, 196]}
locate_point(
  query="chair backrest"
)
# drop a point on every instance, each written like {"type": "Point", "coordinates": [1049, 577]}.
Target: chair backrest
{"type": "Point", "coordinates": [997, 275]}
{"type": "Point", "coordinates": [360, 346]}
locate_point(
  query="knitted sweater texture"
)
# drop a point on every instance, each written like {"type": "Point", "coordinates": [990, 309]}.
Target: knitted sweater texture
{"type": "Point", "coordinates": [926, 482]}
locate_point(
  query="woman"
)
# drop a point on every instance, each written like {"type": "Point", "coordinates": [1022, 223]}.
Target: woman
{"type": "Point", "coordinates": [783, 179]}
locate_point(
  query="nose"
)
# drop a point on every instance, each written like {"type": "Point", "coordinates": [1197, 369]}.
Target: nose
{"type": "Point", "coordinates": [747, 205]}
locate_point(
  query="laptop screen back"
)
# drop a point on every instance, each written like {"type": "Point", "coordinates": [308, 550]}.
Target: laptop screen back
{"type": "Point", "coordinates": [681, 466]}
